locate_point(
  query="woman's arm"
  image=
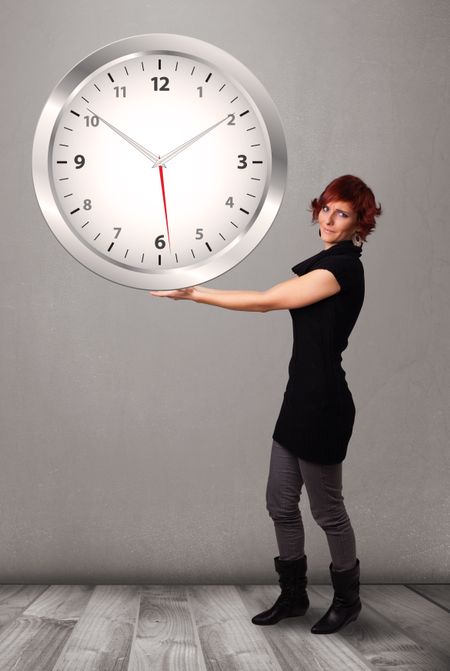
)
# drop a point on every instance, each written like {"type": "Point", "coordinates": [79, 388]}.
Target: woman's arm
{"type": "Point", "coordinates": [249, 301]}
{"type": "Point", "coordinates": [294, 293]}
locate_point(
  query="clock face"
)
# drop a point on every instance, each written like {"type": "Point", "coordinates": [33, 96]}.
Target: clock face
{"type": "Point", "coordinates": [159, 161]}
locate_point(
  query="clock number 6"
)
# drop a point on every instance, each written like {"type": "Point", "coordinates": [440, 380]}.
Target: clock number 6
{"type": "Point", "coordinates": [160, 243]}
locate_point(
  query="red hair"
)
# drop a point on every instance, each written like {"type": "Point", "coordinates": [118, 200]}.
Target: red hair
{"type": "Point", "coordinates": [351, 190]}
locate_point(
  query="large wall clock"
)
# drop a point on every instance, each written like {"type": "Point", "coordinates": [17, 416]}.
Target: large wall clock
{"type": "Point", "coordinates": [159, 161]}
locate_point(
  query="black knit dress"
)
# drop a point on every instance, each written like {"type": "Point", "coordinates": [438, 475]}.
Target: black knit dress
{"type": "Point", "coordinates": [317, 414]}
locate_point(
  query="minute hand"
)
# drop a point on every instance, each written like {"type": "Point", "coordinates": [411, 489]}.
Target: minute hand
{"type": "Point", "coordinates": [174, 152]}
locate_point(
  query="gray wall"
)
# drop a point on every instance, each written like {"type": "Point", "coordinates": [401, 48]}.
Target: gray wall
{"type": "Point", "coordinates": [135, 430]}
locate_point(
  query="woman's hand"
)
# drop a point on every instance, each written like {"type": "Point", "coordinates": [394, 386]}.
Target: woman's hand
{"type": "Point", "coordinates": [187, 293]}
{"type": "Point", "coordinates": [251, 301]}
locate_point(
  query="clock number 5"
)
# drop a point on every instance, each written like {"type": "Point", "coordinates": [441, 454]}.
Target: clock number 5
{"type": "Point", "coordinates": [243, 159]}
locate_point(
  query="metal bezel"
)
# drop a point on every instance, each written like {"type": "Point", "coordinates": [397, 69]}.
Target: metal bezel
{"type": "Point", "coordinates": [235, 71]}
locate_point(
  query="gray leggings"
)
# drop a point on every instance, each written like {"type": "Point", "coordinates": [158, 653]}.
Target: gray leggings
{"type": "Point", "coordinates": [324, 487]}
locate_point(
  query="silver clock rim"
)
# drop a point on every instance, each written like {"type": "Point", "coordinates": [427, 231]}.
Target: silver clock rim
{"type": "Point", "coordinates": [264, 215]}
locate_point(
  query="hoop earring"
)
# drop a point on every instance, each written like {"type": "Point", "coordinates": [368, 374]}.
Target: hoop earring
{"type": "Point", "coordinates": [357, 240]}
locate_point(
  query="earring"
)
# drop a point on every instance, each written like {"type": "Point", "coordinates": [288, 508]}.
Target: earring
{"type": "Point", "coordinates": [356, 239]}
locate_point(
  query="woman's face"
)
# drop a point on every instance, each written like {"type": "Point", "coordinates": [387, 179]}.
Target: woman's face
{"type": "Point", "coordinates": [337, 222]}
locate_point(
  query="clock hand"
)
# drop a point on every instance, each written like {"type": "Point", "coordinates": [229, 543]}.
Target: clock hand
{"type": "Point", "coordinates": [164, 201]}
{"type": "Point", "coordinates": [177, 150]}
{"type": "Point", "coordinates": [139, 147]}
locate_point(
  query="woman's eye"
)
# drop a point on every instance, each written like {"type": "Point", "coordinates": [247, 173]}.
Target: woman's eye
{"type": "Point", "coordinates": [325, 207]}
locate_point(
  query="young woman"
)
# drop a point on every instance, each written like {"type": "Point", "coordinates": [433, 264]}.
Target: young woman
{"type": "Point", "coordinates": [317, 414]}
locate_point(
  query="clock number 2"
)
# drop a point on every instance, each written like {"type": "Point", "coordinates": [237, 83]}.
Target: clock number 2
{"type": "Point", "coordinates": [163, 87]}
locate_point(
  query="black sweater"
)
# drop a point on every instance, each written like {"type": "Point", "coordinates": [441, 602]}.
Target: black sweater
{"type": "Point", "coordinates": [317, 414]}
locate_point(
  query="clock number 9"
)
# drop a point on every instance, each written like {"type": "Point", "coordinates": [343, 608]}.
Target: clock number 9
{"type": "Point", "coordinates": [243, 159]}
{"type": "Point", "coordinates": [79, 161]}
{"type": "Point", "coordinates": [164, 87]}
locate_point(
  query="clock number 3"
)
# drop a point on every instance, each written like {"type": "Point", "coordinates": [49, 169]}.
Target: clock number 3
{"type": "Point", "coordinates": [243, 159]}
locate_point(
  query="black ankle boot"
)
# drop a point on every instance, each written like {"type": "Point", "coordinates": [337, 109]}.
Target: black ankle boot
{"type": "Point", "coordinates": [346, 604]}
{"type": "Point", "coordinates": [293, 600]}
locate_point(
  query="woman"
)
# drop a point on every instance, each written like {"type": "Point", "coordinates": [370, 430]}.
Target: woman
{"type": "Point", "coordinates": [316, 418]}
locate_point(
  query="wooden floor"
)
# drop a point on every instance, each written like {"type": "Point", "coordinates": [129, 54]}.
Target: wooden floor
{"type": "Point", "coordinates": [178, 628]}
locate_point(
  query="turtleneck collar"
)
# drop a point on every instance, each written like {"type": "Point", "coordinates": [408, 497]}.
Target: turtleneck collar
{"type": "Point", "coordinates": [343, 247]}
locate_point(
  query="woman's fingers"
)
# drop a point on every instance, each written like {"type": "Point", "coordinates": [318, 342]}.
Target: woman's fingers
{"type": "Point", "coordinates": [175, 293]}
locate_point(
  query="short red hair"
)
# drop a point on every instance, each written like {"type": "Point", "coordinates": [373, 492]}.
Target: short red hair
{"type": "Point", "coordinates": [351, 190]}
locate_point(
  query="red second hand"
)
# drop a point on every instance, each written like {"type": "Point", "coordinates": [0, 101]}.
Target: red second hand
{"type": "Point", "coordinates": [164, 199]}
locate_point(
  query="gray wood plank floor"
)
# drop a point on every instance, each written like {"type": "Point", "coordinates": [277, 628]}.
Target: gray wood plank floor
{"type": "Point", "coordinates": [208, 627]}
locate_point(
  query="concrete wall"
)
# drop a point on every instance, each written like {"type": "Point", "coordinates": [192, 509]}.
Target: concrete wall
{"type": "Point", "coordinates": [136, 431]}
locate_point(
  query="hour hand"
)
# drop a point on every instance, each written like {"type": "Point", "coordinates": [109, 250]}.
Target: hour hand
{"type": "Point", "coordinates": [149, 154]}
